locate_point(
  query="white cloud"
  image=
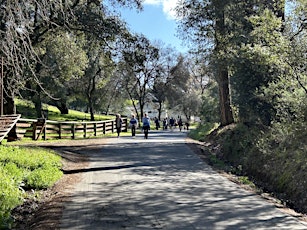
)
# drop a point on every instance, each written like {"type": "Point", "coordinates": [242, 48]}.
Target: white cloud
{"type": "Point", "coordinates": [167, 5]}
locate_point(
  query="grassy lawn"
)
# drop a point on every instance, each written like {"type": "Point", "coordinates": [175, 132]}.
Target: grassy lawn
{"type": "Point", "coordinates": [27, 110]}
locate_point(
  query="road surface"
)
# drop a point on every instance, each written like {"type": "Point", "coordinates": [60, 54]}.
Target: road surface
{"type": "Point", "coordinates": [160, 183]}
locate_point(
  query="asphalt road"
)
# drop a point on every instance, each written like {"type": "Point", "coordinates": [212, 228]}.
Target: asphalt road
{"type": "Point", "coordinates": [159, 183]}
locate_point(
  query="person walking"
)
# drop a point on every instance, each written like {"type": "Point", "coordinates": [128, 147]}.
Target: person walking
{"type": "Point", "coordinates": [146, 125]}
{"type": "Point", "coordinates": [187, 124]}
{"type": "Point", "coordinates": [133, 124]}
{"type": "Point", "coordinates": [180, 124]}
{"type": "Point", "coordinates": [165, 124]}
{"type": "Point", "coordinates": [171, 123]}
{"type": "Point", "coordinates": [118, 124]}
{"type": "Point", "coordinates": [157, 122]}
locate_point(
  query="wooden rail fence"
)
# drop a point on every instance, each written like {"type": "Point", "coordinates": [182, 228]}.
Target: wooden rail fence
{"type": "Point", "coordinates": [47, 129]}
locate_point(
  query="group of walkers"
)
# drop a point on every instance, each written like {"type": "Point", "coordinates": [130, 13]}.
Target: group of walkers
{"type": "Point", "coordinates": [133, 123]}
{"type": "Point", "coordinates": [172, 123]}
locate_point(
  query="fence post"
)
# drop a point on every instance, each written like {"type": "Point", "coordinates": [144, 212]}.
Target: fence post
{"type": "Point", "coordinates": [60, 131]}
{"type": "Point", "coordinates": [73, 130]}
{"type": "Point", "coordinates": [104, 128]}
{"type": "Point", "coordinates": [45, 132]}
{"type": "Point", "coordinates": [84, 128]}
{"type": "Point", "coordinates": [95, 129]}
{"type": "Point", "coordinates": [34, 131]}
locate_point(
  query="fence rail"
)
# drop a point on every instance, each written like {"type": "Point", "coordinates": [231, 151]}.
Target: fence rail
{"type": "Point", "coordinates": [47, 129]}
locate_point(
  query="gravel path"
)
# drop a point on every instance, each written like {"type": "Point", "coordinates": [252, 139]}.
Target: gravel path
{"type": "Point", "coordinates": [160, 183]}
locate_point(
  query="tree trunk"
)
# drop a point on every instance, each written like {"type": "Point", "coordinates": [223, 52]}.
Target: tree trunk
{"type": "Point", "coordinates": [38, 107]}
{"type": "Point", "coordinates": [160, 110]}
{"type": "Point", "coordinates": [10, 108]}
{"type": "Point", "coordinates": [38, 102]}
{"type": "Point", "coordinates": [91, 109]}
{"type": "Point", "coordinates": [62, 107]}
{"type": "Point", "coordinates": [224, 95]}
{"type": "Point", "coordinates": [226, 116]}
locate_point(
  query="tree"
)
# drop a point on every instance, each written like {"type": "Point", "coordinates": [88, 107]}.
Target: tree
{"type": "Point", "coordinates": [23, 25]}
{"type": "Point", "coordinates": [258, 59]}
{"type": "Point", "coordinates": [168, 79]}
{"type": "Point", "coordinates": [62, 61]}
{"type": "Point", "coordinates": [204, 23]}
{"type": "Point", "coordinates": [138, 69]}
{"type": "Point", "coordinates": [91, 85]}
{"type": "Point", "coordinates": [200, 73]}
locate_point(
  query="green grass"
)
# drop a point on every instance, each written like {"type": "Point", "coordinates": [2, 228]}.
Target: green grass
{"type": "Point", "coordinates": [27, 110]}
{"type": "Point", "coordinates": [201, 131]}
{"type": "Point", "coordinates": [22, 169]}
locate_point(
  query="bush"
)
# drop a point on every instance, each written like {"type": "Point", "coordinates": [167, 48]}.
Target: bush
{"type": "Point", "coordinates": [15, 173]}
{"type": "Point", "coordinates": [24, 167]}
{"type": "Point", "coordinates": [10, 197]}
{"type": "Point", "coordinates": [43, 177]}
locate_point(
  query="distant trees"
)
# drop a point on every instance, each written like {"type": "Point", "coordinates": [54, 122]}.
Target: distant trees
{"type": "Point", "coordinates": [170, 81]}
{"type": "Point", "coordinates": [91, 86]}
{"type": "Point", "coordinates": [138, 68]}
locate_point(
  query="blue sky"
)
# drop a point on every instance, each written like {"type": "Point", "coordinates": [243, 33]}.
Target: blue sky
{"type": "Point", "coordinates": [156, 22]}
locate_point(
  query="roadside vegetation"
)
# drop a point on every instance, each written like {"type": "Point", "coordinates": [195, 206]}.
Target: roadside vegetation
{"type": "Point", "coordinates": [274, 158]}
{"type": "Point", "coordinates": [24, 172]}
{"type": "Point", "coordinates": [27, 171]}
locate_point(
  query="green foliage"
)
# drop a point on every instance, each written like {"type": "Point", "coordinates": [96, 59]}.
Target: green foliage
{"type": "Point", "coordinates": [10, 197]}
{"type": "Point", "coordinates": [237, 141]}
{"type": "Point", "coordinates": [210, 104]}
{"type": "Point", "coordinates": [64, 59]}
{"type": "Point", "coordinates": [216, 162]}
{"type": "Point", "coordinates": [202, 130]}
{"type": "Point", "coordinates": [43, 177]}
{"type": "Point", "coordinates": [259, 62]}
{"type": "Point", "coordinates": [274, 157]}
{"type": "Point", "coordinates": [23, 168]}
{"type": "Point", "coordinates": [14, 172]}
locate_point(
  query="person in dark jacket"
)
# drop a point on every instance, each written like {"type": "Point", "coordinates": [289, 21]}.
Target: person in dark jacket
{"type": "Point", "coordinates": [118, 124]}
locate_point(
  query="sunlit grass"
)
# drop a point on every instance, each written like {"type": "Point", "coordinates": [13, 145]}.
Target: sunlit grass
{"type": "Point", "coordinates": [27, 110]}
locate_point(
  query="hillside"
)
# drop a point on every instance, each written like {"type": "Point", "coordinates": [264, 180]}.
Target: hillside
{"type": "Point", "coordinates": [276, 165]}
{"type": "Point", "coordinates": [27, 110]}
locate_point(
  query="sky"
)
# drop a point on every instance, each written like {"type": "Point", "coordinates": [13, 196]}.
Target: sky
{"type": "Point", "coordinates": [156, 22]}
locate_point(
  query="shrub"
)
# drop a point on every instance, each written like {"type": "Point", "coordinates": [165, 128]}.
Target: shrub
{"type": "Point", "coordinates": [43, 177]}
{"type": "Point", "coordinates": [27, 167]}
{"type": "Point", "coordinates": [10, 197]}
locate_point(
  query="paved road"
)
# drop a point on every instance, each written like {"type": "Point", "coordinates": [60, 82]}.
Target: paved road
{"type": "Point", "coordinates": [160, 183]}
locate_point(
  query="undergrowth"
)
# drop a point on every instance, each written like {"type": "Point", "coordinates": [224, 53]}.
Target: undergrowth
{"type": "Point", "coordinates": [273, 157]}
{"type": "Point", "coordinates": [22, 169]}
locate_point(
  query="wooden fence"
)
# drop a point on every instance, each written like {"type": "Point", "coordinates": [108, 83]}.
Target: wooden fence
{"type": "Point", "coordinates": [47, 129]}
